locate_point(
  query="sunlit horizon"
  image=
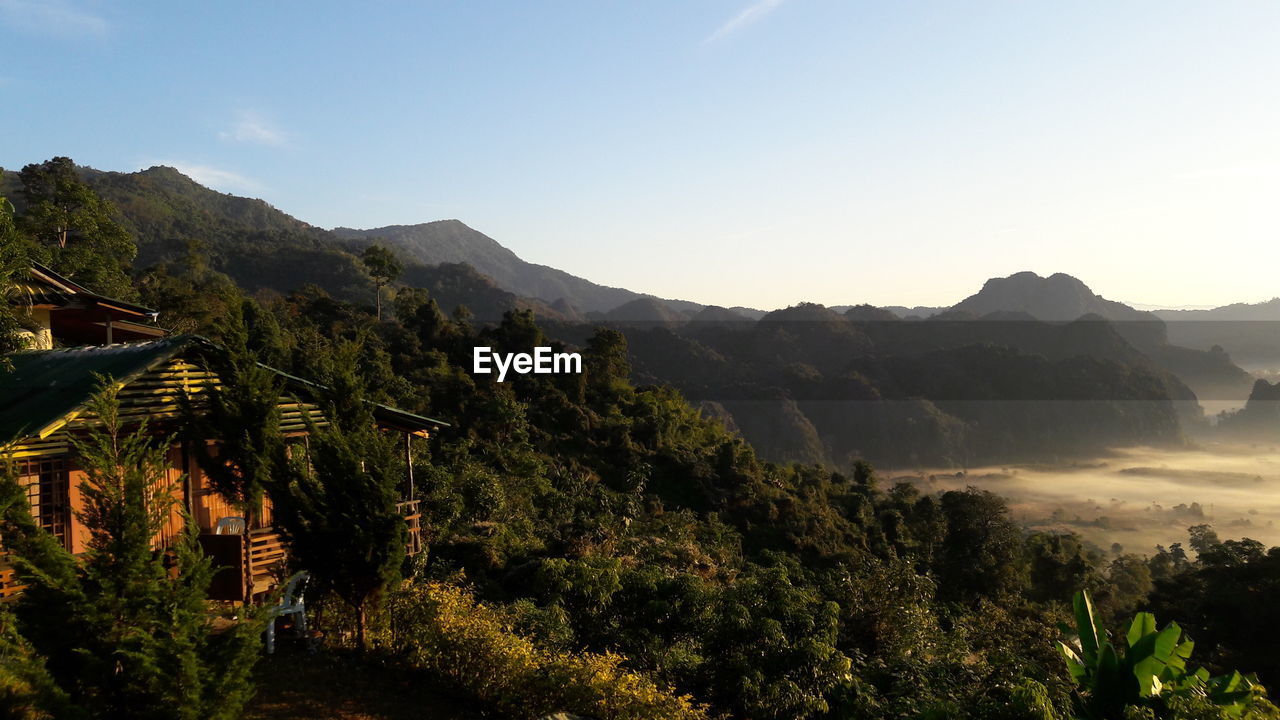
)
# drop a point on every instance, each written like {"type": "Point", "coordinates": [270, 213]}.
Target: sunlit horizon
{"type": "Point", "coordinates": [729, 152]}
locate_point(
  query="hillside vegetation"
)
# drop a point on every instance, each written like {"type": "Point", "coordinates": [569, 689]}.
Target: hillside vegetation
{"type": "Point", "coordinates": [602, 546]}
{"type": "Point", "coordinates": [1077, 373]}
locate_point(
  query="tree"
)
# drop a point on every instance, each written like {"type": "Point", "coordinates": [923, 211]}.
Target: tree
{"type": "Point", "coordinates": [1060, 563]}
{"type": "Point", "coordinates": [27, 690]}
{"type": "Point", "coordinates": [981, 555]}
{"type": "Point", "coordinates": [606, 361]}
{"type": "Point", "coordinates": [126, 630]}
{"type": "Point", "coordinates": [384, 267]}
{"type": "Point", "coordinates": [339, 507]}
{"type": "Point", "coordinates": [774, 647]}
{"type": "Point", "coordinates": [76, 227]}
{"type": "Point", "coordinates": [243, 415]}
{"type": "Point", "coordinates": [13, 264]}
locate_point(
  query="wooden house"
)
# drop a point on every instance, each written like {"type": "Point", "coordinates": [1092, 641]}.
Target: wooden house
{"type": "Point", "coordinates": [61, 309]}
{"type": "Point", "coordinates": [43, 404]}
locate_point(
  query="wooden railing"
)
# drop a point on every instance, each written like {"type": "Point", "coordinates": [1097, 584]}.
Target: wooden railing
{"type": "Point", "coordinates": [412, 520]}
{"type": "Point", "coordinates": [250, 563]}
{"type": "Point", "coordinates": [266, 555]}
{"type": "Point", "coordinates": [261, 555]}
{"type": "Point", "coordinates": [9, 586]}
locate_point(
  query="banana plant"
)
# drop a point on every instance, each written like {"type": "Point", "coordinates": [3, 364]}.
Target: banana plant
{"type": "Point", "coordinates": [1152, 666]}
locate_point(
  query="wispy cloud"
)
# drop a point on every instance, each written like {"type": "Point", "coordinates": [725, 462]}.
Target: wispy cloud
{"type": "Point", "coordinates": [51, 17]}
{"type": "Point", "coordinates": [216, 178]}
{"type": "Point", "coordinates": [250, 128]}
{"type": "Point", "coordinates": [752, 13]}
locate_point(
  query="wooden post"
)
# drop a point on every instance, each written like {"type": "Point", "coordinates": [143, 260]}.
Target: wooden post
{"type": "Point", "coordinates": [188, 501]}
{"type": "Point", "coordinates": [408, 461]}
{"type": "Point", "coordinates": [246, 570]}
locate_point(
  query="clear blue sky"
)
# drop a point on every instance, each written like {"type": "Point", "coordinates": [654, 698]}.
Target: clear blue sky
{"type": "Point", "coordinates": [755, 152]}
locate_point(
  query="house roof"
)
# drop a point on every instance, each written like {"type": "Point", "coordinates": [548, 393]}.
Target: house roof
{"type": "Point", "coordinates": [46, 287]}
{"type": "Point", "coordinates": [47, 388]}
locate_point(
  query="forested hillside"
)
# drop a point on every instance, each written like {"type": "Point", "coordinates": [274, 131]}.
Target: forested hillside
{"type": "Point", "coordinates": [586, 526]}
{"type": "Point", "coordinates": [450, 241]}
{"type": "Point", "coordinates": [1077, 373]}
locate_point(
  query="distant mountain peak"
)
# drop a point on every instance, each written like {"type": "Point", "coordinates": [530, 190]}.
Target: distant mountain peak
{"type": "Point", "coordinates": [1058, 297]}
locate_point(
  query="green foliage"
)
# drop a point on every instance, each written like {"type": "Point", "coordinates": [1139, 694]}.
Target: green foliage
{"type": "Point", "coordinates": [634, 543]}
{"type": "Point", "coordinates": [442, 630]}
{"type": "Point", "coordinates": [242, 415]}
{"type": "Point", "coordinates": [27, 690]}
{"type": "Point", "coordinates": [1060, 564]}
{"type": "Point", "coordinates": [774, 648]}
{"type": "Point", "coordinates": [193, 297]}
{"type": "Point", "coordinates": [383, 267]}
{"type": "Point", "coordinates": [76, 227]}
{"type": "Point", "coordinates": [338, 506]}
{"type": "Point", "coordinates": [14, 253]}
{"type": "Point", "coordinates": [1227, 597]}
{"type": "Point", "coordinates": [125, 630]}
{"type": "Point", "coordinates": [1150, 670]}
{"type": "Point", "coordinates": [980, 556]}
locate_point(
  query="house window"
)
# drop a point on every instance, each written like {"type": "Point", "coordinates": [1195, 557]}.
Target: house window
{"type": "Point", "coordinates": [47, 486]}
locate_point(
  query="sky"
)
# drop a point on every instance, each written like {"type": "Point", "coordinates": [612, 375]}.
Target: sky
{"type": "Point", "coordinates": [731, 152]}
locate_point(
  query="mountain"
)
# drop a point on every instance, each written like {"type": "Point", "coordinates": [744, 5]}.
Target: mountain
{"type": "Point", "coordinates": [263, 248]}
{"type": "Point", "coordinates": [257, 245]}
{"type": "Point", "coordinates": [1057, 298]}
{"type": "Point", "coordinates": [645, 310]}
{"type": "Point", "coordinates": [1259, 419]}
{"type": "Point", "coordinates": [812, 385]}
{"type": "Point", "coordinates": [717, 314]}
{"type": "Point", "coordinates": [1264, 311]}
{"type": "Point", "coordinates": [1249, 332]}
{"type": "Point", "coordinates": [1062, 298]}
{"type": "Point", "coordinates": [988, 379]}
{"type": "Point", "coordinates": [450, 241]}
{"type": "Point", "coordinates": [918, 311]}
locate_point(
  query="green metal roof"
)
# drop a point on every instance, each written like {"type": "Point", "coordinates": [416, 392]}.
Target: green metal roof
{"type": "Point", "coordinates": [45, 386]}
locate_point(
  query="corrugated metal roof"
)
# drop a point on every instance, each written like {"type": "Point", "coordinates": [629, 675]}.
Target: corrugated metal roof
{"type": "Point", "coordinates": [47, 387]}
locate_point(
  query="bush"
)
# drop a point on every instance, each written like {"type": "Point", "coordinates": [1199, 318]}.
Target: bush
{"type": "Point", "coordinates": [442, 630]}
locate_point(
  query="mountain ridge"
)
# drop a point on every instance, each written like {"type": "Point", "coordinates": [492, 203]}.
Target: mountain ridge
{"type": "Point", "coordinates": [452, 240]}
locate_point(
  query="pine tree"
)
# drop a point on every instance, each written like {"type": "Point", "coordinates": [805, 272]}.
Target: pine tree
{"type": "Point", "coordinates": [243, 416]}
{"type": "Point", "coordinates": [13, 265]}
{"type": "Point", "coordinates": [384, 267]}
{"type": "Point", "coordinates": [125, 629]}
{"type": "Point", "coordinates": [339, 509]}
{"type": "Point", "coordinates": [27, 690]}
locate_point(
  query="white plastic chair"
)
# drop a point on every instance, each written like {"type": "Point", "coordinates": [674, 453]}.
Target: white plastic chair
{"type": "Point", "coordinates": [230, 525]}
{"type": "Point", "coordinates": [293, 604]}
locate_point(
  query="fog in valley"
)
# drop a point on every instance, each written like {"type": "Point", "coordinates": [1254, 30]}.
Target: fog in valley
{"type": "Point", "coordinates": [1136, 497]}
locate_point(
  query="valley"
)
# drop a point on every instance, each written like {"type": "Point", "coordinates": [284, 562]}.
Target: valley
{"type": "Point", "coordinates": [1136, 497]}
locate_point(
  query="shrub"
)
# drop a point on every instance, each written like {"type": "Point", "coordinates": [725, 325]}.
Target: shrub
{"type": "Point", "coordinates": [442, 630]}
